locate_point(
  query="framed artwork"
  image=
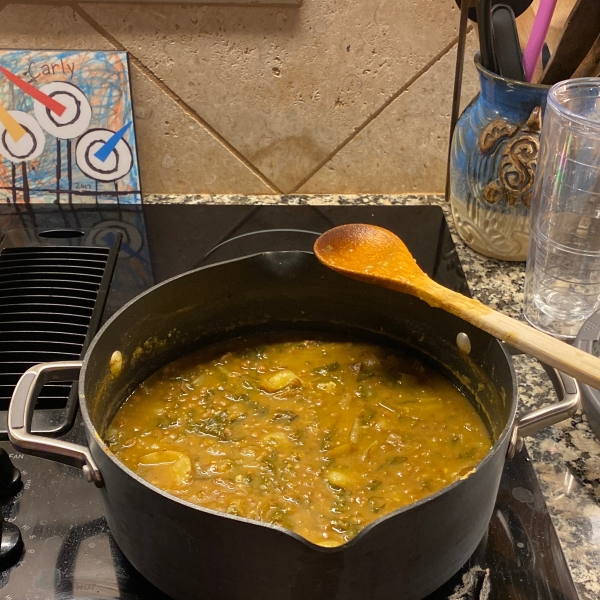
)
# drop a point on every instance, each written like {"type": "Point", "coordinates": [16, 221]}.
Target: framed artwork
{"type": "Point", "coordinates": [66, 128]}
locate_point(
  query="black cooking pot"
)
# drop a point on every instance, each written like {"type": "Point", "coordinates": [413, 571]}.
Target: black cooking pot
{"type": "Point", "coordinates": [191, 552]}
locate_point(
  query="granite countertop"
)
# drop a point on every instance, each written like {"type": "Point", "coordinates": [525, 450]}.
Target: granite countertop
{"type": "Point", "coordinates": [566, 456]}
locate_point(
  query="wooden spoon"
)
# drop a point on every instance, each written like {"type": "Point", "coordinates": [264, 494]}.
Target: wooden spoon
{"type": "Point", "coordinates": [578, 36]}
{"type": "Point", "coordinates": [375, 255]}
{"type": "Point", "coordinates": [590, 65]}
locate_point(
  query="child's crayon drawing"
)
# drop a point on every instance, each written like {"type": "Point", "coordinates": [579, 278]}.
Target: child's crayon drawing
{"type": "Point", "coordinates": [66, 128]}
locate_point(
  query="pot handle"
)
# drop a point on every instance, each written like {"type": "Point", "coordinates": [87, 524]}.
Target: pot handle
{"type": "Point", "coordinates": [568, 392]}
{"type": "Point", "coordinates": [20, 415]}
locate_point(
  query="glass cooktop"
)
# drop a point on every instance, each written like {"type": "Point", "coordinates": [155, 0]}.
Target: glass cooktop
{"type": "Point", "coordinates": [68, 551]}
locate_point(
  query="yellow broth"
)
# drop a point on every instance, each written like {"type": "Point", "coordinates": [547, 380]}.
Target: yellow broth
{"type": "Point", "coordinates": [321, 437]}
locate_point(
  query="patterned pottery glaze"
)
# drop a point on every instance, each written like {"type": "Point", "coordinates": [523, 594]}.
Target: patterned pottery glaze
{"type": "Point", "coordinates": [492, 165]}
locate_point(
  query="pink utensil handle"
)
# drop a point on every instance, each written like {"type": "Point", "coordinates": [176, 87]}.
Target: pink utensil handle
{"type": "Point", "coordinates": [539, 31]}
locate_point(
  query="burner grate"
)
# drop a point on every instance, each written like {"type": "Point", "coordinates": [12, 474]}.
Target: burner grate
{"type": "Point", "coordinates": [51, 303]}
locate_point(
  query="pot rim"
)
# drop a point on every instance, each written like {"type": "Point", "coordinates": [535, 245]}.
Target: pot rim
{"type": "Point", "coordinates": [91, 429]}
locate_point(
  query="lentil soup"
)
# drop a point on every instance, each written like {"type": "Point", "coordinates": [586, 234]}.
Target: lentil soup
{"type": "Point", "coordinates": [319, 436]}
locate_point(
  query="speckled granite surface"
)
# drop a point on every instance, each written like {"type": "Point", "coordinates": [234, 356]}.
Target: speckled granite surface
{"type": "Point", "coordinates": [566, 456]}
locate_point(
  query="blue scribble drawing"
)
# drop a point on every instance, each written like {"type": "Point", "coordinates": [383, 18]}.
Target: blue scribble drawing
{"type": "Point", "coordinates": [79, 143]}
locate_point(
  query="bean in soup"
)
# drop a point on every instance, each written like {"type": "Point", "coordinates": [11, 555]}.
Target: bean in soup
{"type": "Point", "coordinates": [321, 437]}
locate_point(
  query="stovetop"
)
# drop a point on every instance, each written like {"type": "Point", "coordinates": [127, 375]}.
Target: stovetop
{"type": "Point", "coordinates": [69, 552]}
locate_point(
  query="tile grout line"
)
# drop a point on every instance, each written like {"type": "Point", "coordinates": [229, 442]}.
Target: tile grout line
{"type": "Point", "coordinates": [184, 106]}
{"type": "Point", "coordinates": [374, 115]}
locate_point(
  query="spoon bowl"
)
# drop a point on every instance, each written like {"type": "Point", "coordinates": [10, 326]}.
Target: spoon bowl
{"type": "Point", "coordinates": [377, 256]}
{"type": "Point", "coordinates": [372, 254]}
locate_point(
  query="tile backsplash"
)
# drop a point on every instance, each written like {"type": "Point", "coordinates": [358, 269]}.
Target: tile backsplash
{"type": "Point", "coordinates": [258, 98]}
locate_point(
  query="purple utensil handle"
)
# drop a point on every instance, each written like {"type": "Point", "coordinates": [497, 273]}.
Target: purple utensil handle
{"type": "Point", "coordinates": [536, 40]}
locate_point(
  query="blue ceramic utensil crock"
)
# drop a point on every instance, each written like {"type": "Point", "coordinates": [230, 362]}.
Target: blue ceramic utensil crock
{"type": "Point", "coordinates": [492, 165]}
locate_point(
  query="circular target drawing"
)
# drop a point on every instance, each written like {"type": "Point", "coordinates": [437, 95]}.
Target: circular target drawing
{"type": "Point", "coordinates": [131, 243]}
{"type": "Point", "coordinates": [76, 118]}
{"type": "Point", "coordinates": [117, 164]}
{"type": "Point", "coordinates": [30, 146]}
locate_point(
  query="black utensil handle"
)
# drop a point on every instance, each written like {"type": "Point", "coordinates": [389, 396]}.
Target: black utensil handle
{"type": "Point", "coordinates": [486, 42]}
{"type": "Point", "coordinates": [507, 49]}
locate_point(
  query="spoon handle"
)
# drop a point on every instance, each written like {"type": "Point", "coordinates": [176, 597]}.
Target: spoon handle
{"type": "Point", "coordinates": [558, 354]}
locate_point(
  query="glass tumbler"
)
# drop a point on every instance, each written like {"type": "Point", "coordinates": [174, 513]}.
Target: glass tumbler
{"type": "Point", "coordinates": [562, 281]}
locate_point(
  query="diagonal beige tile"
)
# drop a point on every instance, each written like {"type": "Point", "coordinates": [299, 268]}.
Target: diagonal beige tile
{"type": "Point", "coordinates": [405, 148]}
{"type": "Point", "coordinates": [177, 155]}
{"type": "Point", "coordinates": [284, 85]}
{"type": "Point", "coordinates": [47, 26]}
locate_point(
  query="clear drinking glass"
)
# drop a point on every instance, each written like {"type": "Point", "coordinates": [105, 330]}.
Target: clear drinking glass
{"type": "Point", "coordinates": [562, 282]}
